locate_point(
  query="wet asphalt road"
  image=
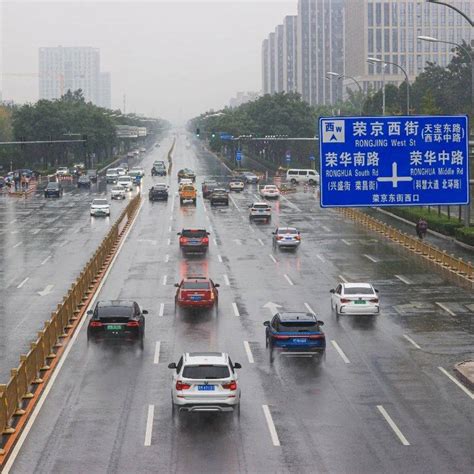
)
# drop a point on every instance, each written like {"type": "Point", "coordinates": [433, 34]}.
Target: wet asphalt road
{"type": "Point", "coordinates": [330, 415]}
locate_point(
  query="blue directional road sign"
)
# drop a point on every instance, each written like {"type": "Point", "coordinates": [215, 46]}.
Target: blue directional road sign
{"type": "Point", "coordinates": [394, 161]}
{"type": "Point", "coordinates": [288, 157]}
{"type": "Point", "coordinates": [226, 136]}
{"type": "Point", "coordinates": [238, 155]}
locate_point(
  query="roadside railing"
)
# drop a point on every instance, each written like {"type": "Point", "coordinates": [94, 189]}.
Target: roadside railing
{"type": "Point", "coordinates": [36, 362]}
{"type": "Point", "coordinates": [457, 266]}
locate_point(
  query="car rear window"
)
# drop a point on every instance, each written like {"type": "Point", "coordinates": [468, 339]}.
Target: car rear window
{"type": "Point", "coordinates": [195, 285]}
{"type": "Point", "coordinates": [287, 231]}
{"type": "Point", "coordinates": [295, 326]}
{"type": "Point", "coordinates": [188, 188]}
{"type": "Point", "coordinates": [115, 311]}
{"type": "Point", "coordinates": [194, 233]}
{"type": "Point", "coordinates": [206, 372]}
{"type": "Point", "coordinates": [100, 202]}
{"type": "Point", "coordinates": [358, 291]}
{"type": "Point", "coordinates": [261, 206]}
{"type": "Point", "coordinates": [53, 185]}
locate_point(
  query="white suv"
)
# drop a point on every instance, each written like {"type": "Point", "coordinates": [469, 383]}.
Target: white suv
{"type": "Point", "coordinates": [309, 176]}
{"type": "Point", "coordinates": [260, 210]}
{"type": "Point", "coordinates": [100, 207]}
{"type": "Point", "coordinates": [125, 182]}
{"type": "Point", "coordinates": [205, 381]}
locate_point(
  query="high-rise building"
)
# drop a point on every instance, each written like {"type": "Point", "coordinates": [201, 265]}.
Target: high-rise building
{"type": "Point", "coordinates": [69, 68]}
{"type": "Point", "coordinates": [388, 31]}
{"type": "Point", "coordinates": [280, 64]}
{"type": "Point", "coordinates": [290, 53]}
{"type": "Point", "coordinates": [105, 90]}
{"type": "Point", "coordinates": [265, 67]}
{"type": "Point", "coordinates": [271, 61]}
{"type": "Point", "coordinates": [320, 39]}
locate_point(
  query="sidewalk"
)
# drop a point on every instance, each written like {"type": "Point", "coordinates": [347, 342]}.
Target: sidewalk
{"type": "Point", "coordinates": [451, 245]}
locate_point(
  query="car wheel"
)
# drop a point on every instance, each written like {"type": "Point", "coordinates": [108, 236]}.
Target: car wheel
{"type": "Point", "coordinates": [181, 202]}
{"type": "Point", "coordinates": [293, 181]}
{"type": "Point", "coordinates": [194, 201]}
{"type": "Point", "coordinates": [237, 410]}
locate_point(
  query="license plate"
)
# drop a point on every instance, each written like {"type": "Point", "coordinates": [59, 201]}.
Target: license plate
{"type": "Point", "coordinates": [193, 242]}
{"type": "Point", "coordinates": [288, 238]}
{"type": "Point", "coordinates": [114, 327]}
{"type": "Point", "coordinates": [206, 388]}
{"type": "Point", "coordinates": [196, 298]}
{"type": "Point", "coordinates": [359, 302]}
{"type": "Point", "coordinates": [300, 340]}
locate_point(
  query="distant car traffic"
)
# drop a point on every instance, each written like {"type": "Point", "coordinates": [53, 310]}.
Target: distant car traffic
{"type": "Point", "coordinates": [260, 210]}
{"type": "Point", "coordinates": [126, 182]}
{"type": "Point", "coordinates": [124, 166]}
{"type": "Point", "coordinates": [295, 332]}
{"type": "Point", "coordinates": [62, 171]}
{"type": "Point", "coordinates": [137, 170]}
{"type": "Point", "coordinates": [207, 187]}
{"type": "Point", "coordinates": [118, 192]}
{"type": "Point", "coordinates": [308, 176]}
{"type": "Point", "coordinates": [187, 192]}
{"type": "Point", "coordinates": [83, 181]}
{"type": "Point", "coordinates": [250, 178]}
{"type": "Point", "coordinates": [205, 382]}
{"type": "Point", "coordinates": [92, 175]}
{"type": "Point", "coordinates": [158, 168]}
{"type": "Point", "coordinates": [111, 176]}
{"type": "Point", "coordinates": [237, 185]}
{"type": "Point", "coordinates": [286, 237]}
{"type": "Point", "coordinates": [355, 298]}
{"type": "Point", "coordinates": [194, 240]}
{"type": "Point", "coordinates": [186, 173]}
{"type": "Point", "coordinates": [219, 196]}
{"type": "Point", "coordinates": [158, 192]}
{"type": "Point", "coordinates": [53, 189]}
{"type": "Point", "coordinates": [269, 191]}
{"type": "Point", "coordinates": [196, 292]}
{"type": "Point", "coordinates": [117, 320]}
{"type": "Point", "coordinates": [121, 171]}
{"type": "Point", "coordinates": [100, 207]}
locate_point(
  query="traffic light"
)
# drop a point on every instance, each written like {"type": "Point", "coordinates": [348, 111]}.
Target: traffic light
{"type": "Point", "coordinates": [213, 135]}
{"type": "Point", "coordinates": [198, 132]}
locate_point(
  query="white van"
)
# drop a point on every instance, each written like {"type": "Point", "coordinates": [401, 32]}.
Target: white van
{"type": "Point", "coordinates": [302, 176]}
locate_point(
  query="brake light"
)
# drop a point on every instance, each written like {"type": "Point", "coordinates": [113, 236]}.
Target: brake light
{"type": "Point", "coordinates": [374, 300]}
{"type": "Point", "coordinates": [133, 324]}
{"type": "Point", "coordinates": [230, 386]}
{"type": "Point", "coordinates": [183, 240]}
{"type": "Point", "coordinates": [279, 237]}
{"type": "Point", "coordinates": [316, 336]}
{"type": "Point", "coordinates": [95, 324]}
{"type": "Point", "coordinates": [345, 300]}
{"type": "Point", "coordinates": [298, 237]}
{"type": "Point", "coordinates": [205, 240]}
{"type": "Point", "coordinates": [182, 386]}
{"type": "Point", "coordinates": [277, 336]}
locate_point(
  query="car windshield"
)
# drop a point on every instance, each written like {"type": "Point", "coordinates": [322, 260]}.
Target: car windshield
{"type": "Point", "coordinates": [117, 188]}
{"type": "Point", "coordinates": [53, 185]}
{"type": "Point", "coordinates": [114, 311]}
{"type": "Point", "coordinates": [159, 187]}
{"type": "Point", "coordinates": [194, 233]}
{"type": "Point", "coordinates": [195, 285]}
{"type": "Point", "coordinates": [206, 372]}
{"type": "Point", "coordinates": [271, 187]}
{"type": "Point", "coordinates": [124, 178]}
{"type": "Point", "coordinates": [358, 290]}
{"type": "Point", "coordinates": [298, 326]}
{"type": "Point", "coordinates": [99, 202]}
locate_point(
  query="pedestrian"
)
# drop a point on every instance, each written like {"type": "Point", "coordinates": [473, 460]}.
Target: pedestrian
{"type": "Point", "coordinates": [421, 228]}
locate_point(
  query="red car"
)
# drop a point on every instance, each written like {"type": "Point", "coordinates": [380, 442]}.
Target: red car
{"type": "Point", "coordinates": [196, 292]}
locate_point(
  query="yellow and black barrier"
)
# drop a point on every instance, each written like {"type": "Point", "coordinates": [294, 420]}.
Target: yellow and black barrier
{"type": "Point", "coordinates": [462, 271]}
{"type": "Point", "coordinates": [35, 367]}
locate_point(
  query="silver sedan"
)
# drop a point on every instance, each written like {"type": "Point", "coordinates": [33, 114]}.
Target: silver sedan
{"type": "Point", "coordinates": [286, 237]}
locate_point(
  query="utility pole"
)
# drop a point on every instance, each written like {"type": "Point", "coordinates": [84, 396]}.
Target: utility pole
{"type": "Point", "coordinates": [124, 104]}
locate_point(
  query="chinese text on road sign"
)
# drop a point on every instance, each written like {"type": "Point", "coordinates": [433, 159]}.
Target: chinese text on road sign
{"type": "Point", "coordinates": [394, 161]}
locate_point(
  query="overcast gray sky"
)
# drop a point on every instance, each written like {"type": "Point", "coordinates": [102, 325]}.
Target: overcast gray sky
{"type": "Point", "coordinates": [173, 59]}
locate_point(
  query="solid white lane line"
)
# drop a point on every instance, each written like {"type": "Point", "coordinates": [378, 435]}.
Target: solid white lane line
{"type": "Point", "coordinates": [167, 258]}
{"type": "Point", "coordinates": [162, 309]}
{"type": "Point", "coordinates": [149, 424]}
{"type": "Point", "coordinates": [234, 203]}
{"type": "Point", "coordinates": [165, 279]}
{"type": "Point", "coordinates": [211, 229]}
{"type": "Point", "coordinates": [411, 341]}
{"type": "Point", "coordinates": [226, 279]}
{"type": "Point", "coordinates": [13, 232]}
{"type": "Point", "coordinates": [46, 259]}
{"type": "Point", "coordinates": [346, 242]}
{"type": "Point", "coordinates": [392, 425]}
{"type": "Point", "coordinates": [249, 352]}
{"type": "Point", "coordinates": [320, 257]}
{"type": "Point", "coordinates": [288, 279]}
{"type": "Point", "coordinates": [219, 257]}
{"type": "Point", "coordinates": [327, 229]}
{"type": "Point", "coordinates": [23, 282]}
{"type": "Point", "coordinates": [169, 242]}
{"type": "Point", "coordinates": [340, 352]}
{"type": "Point", "coordinates": [271, 425]}
{"type": "Point", "coordinates": [156, 359]}
{"type": "Point", "coordinates": [13, 221]}
{"type": "Point", "coordinates": [458, 383]}
{"type": "Point", "coordinates": [171, 218]}
{"type": "Point", "coordinates": [169, 229]}
{"type": "Point", "coordinates": [17, 244]}
{"type": "Point", "coordinates": [251, 228]}
{"type": "Point", "coordinates": [442, 306]}
{"type": "Point", "coordinates": [372, 259]}
{"type": "Point", "coordinates": [37, 231]}
{"type": "Point", "coordinates": [403, 279]}
{"type": "Point", "coordinates": [342, 279]}
{"type": "Point", "coordinates": [260, 241]}
{"type": "Point", "coordinates": [294, 206]}
{"type": "Point", "coordinates": [273, 258]}
{"type": "Point", "coordinates": [215, 241]}
{"type": "Point", "coordinates": [236, 309]}
{"type": "Point", "coordinates": [308, 307]}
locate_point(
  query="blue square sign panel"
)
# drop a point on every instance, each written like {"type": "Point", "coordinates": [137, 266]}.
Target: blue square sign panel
{"type": "Point", "coordinates": [394, 161]}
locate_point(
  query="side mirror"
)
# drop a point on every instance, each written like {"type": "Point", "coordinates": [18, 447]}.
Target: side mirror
{"type": "Point", "coordinates": [208, 233]}
{"type": "Point", "coordinates": [176, 285]}
{"type": "Point", "coordinates": [266, 323]}
{"type": "Point", "coordinates": [376, 291]}
{"type": "Point", "coordinates": [273, 233]}
{"type": "Point", "coordinates": [321, 323]}
{"type": "Point", "coordinates": [145, 311]}
{"type": "Point", "coordinates": [237, 366]}
{"type": "Point", "coordinates": [178, 233]}
{"type": "Point", "coordinates": [332, 291]}
{"type": "Point", "coordinates": [172, 365]}
{"type": "Point", "coordinates": [90, 312]}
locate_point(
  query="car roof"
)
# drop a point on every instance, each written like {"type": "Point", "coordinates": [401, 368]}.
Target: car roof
{"type": "Point", "coordinates": [293, 316]}
{"type": "Point", "coordinates": [195, 278]}
{"type": "Point", "coordinates": [211, 358]}
{"type": "Point", "coordinates": [356, 285]}
{"type": "Point", "coordinates": [287, 228]}
{"type": "Point", "coordinates": [260, 203]}
{"type": "Point", "coordinates": [53, 184]}
{"type": "Point", "coordinates": [193, 229]}
{"type": "Point", "coordinates": [123, 303]}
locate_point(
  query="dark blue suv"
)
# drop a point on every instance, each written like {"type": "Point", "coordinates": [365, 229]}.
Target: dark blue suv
{"type": "Point", "coordinates": [295, 332]}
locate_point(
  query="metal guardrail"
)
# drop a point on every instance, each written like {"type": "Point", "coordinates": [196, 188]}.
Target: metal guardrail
{"type": "Point", "coordinates": [463, 270]}
{"type": "Point", "coordinates": [34, 364]}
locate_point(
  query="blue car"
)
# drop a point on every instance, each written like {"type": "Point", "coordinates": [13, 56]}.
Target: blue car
{"type": "Point", "coordinates": [295, 332]}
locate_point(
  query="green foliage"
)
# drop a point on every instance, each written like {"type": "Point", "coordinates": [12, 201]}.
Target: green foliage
{"type": "Point", "coordinates": [465, 234]}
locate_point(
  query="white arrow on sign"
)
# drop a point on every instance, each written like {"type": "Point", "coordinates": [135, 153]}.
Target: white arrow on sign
{"type": "Point", "coordinates": [46, 291]}
{"type": "Point", "coordinates": [273, 307]}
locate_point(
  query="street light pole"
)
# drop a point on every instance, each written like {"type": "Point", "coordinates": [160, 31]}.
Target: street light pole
{"type": "Point", "coordinates": [437, 2]}
{"type": "Point", "coordinates": [383, 63]}
{"type": "Point", "coordinates": [343, 76]}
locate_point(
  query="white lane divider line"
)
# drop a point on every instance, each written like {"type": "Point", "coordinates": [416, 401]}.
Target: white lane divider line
{"type": "Point", "coordinates": [251, 228]}
{"type": "Point", "coordinates": [149, 424]}
{"type": "Point", "coordinates": [272, 257]}
{"type": "Point", "coordinates": [288, 279]}
{"type": "Point", "coordinates": [211, 229]}
{"type": "Point", "coordinates": [169, 229]}
{"type": "Point", "coordinates": [411, 341]}
{"type": "Point", "coordinates": [37, 231]}
{"type": "Point", "coordinates": [162, 309]}
{"type": "Point", "coordinates": [208, 218]}
{"type": "Point", "coordinates": [215, 241]}
{"type": "Point", "coordinates": [372, 259]}
{"type": "Point", "coordinates": [156, 359]}
{"type": "Point", "coordinates": [308, 307]}
{"type": "Point", "coordinates": [271, 425]}
{"type": "Point", "coordinates": [46, 259]}
{"type": "Point", "coordinates": [327, 229]}
{"type": "Point", "coordinates": [167, 258]}
{"type": "Point", "coordinates": [320, 257]}
{"type": "Point", "coordinates": [346, 242]}
{"type": "Point", "coordinates": [260, 241]}
{"type": "Point", "coordinates": [226, 279]}
{"type": "Point", "coordinates": [75, 232]}
{"type": "Point", "coordinates": [458, 383]}
{"type": "Point", "coordinates": [171, 218]}
{"type": "Point", "coordinates": [219, 257]}
{"type": "Point", "coordinates": [169, 242]}
{"type": "Point", "coordinates": [17, 244]}
{"type": "Point", "coordinates": [23, 282]}
{"type": "Point", "coordinates": [13, 221]}
{"type": "Point", "coordinates": [442, 306]}
{"type": "Point", "coordinates": [165, 279]}
{"type": "Point", "coordinates": [404, 279]}
{"type": "Point", "coordinates": [236, 309]}
{"type": "Point", "coordinates": [249, 352]}
{"type": "Point", "coordinates": [342, 279]}
{"type": "Point", "coordinates": [234, 203]}
{"type": "Point", "coordinates": [340, 352]}
{"type": "Point", "coordinates": [392, 425]}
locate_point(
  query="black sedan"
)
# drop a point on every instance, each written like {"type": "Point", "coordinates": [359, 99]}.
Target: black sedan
{"type": "Point", "coordinates": [53, 189]}
{"type": "Point", "coordinates": [117, 320]}
{"type": "Point", "coordinates": [158, 192]}
{"type": "Point", "coordinates": [219, 196]}
{"type": "Point", "coordinates": [84, 181]}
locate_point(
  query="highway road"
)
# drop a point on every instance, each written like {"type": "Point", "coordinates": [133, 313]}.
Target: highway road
{"type": "Point", "coordinates": [382, 400]}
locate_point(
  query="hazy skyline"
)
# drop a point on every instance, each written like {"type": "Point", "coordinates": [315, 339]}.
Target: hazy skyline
{"type": "Point", "coordinates": [173, 59]}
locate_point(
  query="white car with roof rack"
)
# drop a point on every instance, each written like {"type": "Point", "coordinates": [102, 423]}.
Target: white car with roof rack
{"type": "Point", "coordinates": [355, 298]}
